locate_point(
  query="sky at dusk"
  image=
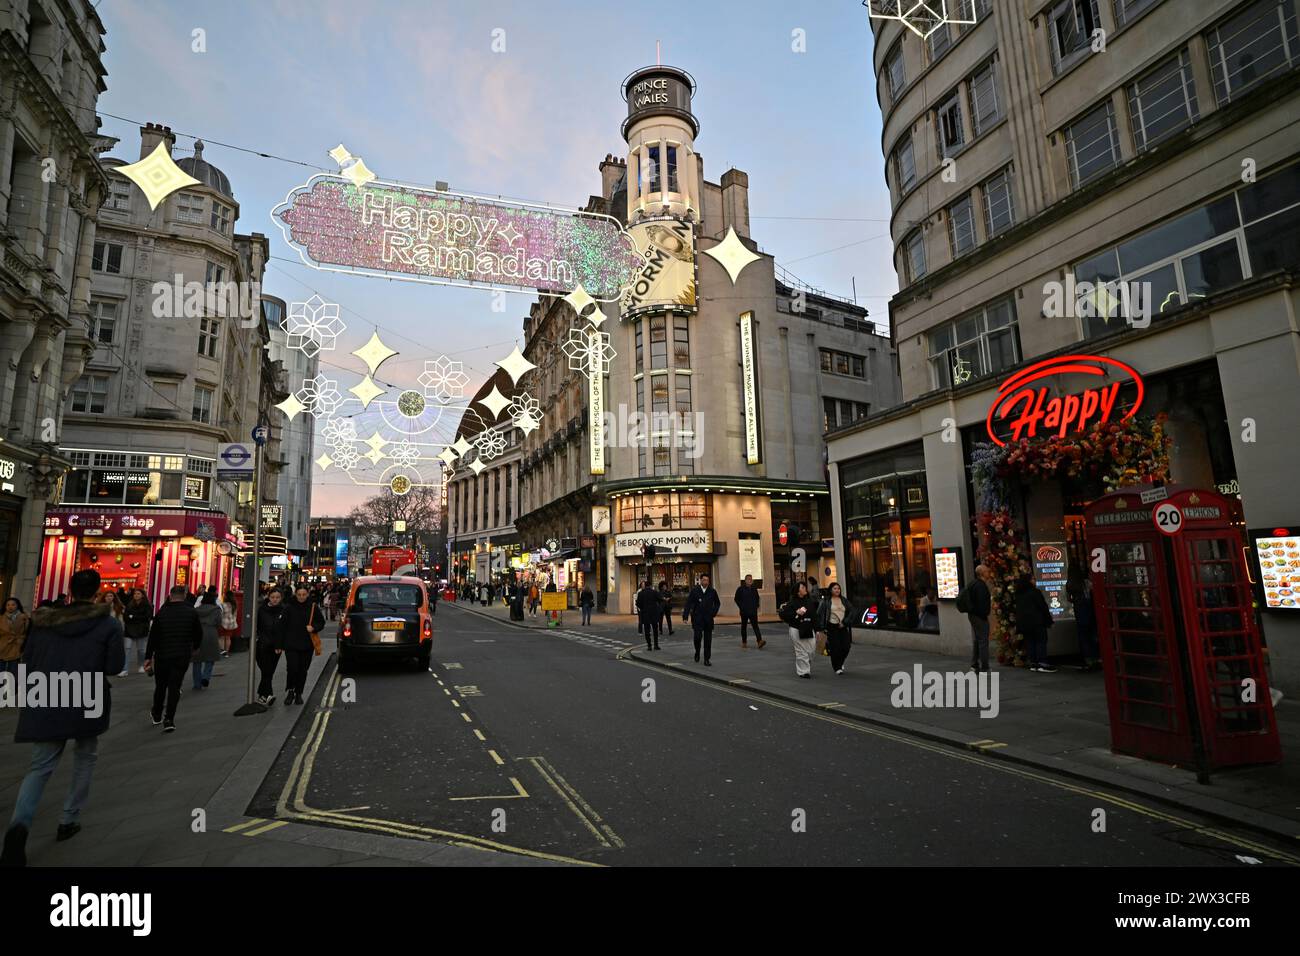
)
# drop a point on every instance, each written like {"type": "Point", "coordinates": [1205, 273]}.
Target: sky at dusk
{"type": "Point", "coordinates": [415, 90]}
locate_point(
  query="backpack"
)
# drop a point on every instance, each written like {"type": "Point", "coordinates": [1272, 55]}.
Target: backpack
{"type": "Point", "coordinates": [963, 600]}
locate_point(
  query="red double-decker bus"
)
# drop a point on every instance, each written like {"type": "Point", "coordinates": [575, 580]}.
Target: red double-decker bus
{"type": "Point", "coordinates": [394, 561]}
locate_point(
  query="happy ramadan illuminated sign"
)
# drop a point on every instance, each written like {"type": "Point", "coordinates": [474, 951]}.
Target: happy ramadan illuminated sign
{"type": "Point", "coordinates": [426, 235]}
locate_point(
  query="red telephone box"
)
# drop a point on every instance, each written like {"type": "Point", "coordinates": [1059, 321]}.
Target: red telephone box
{"type": "Point", "coordinates": [1179, 639]}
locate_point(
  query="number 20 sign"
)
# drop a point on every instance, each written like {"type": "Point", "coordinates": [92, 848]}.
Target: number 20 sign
{"type": "Point", "coordinates": [1168, 518]}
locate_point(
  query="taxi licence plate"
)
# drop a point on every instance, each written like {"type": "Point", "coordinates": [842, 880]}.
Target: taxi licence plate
{"type": "Point", "coordinates": [388, 625]}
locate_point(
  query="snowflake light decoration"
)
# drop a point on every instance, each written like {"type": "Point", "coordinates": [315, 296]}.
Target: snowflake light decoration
{"type": "Point", "coordinates": [491, 444]}
{"type": "Point", "coordinates": [589, 352]}
{"type": "Point", "coordinates": [525, 412]}
{"type": "Point", "coordinates": [339, 432]}
{"type": "Point", "coordinates": [312, 326]}
{"type": "Point", "coordinates": [443, 379]}
{"type": "Point", "coordinates": [319, 396]}
{"type": "Point", "coordinates": [346, 458]}
{"type": "Point", "coordinates": [404, 454]}
{"type": "Point", "coordinates": [922, 18]}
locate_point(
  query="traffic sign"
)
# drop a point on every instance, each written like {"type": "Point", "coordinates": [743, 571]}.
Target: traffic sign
{"type": "Point", "coordinates": [234, 462]}
{"type": "Point", "coordinates": [1168, 518]}
{"type": "Point", "coordinates": [261, 433]}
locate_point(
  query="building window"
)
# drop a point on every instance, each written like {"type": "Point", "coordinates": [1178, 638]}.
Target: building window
{"type": "Point", "coordinates": [914, 251]}
{"type": "Point", "coordinates": [220, 219]}
{"type": "Point", "coordinates": [983, 343]}
{"type": "Point", "coordinates": [999, 208]}
{"type": "Point", "coordinates": [209, 333]}
{"type": "Point", "coordinates": [1070, 28]}
{"type": "Point", "coordinates": [843, 363]}
{"type": "Point", "coordinates": [103, 321]}
{"type": "Point", "coordinates": [90, 394]}
{"type": "Point", "coordinates": [949, 135]}
{"type": "Point", "coordinates": [838, 412]}
{"type": "Point", "coordinates": [659, 394]}
{"type": "Point", "coordinates": [894, 71]}
{"type": "Point", "coordinates": [1257, 43]}
{"type": "Point", "coordinates": [1092, 144]}
{"type": "Point", "coordinates": [107, 257]}
{"type": "Point", "coordinates": [663, 455]}
{"type": "Point", "coordinates": [984, 99]}
{"type": "Point", "coordinates": [905, 164]}
{"type": "Point", "coordinates": [672, 169]}
{"type": "Point", "coordinates": [658, 341]}
{"type": "Point", "coordinates": [1126, 10]}
{"type": "Point", "coordinates": [938, 42]}
{"type": "Point", "coordinates": [1271, 212]}
{"type": "Point", "coordinates": [202, 412]}
{"type": "Point", "coordinates": [189, 207]}
{"type": "Point", "coordinates": [640, 346]}
{"type": "Point", "coordinates": [119, 195]}
{"type": "Point", "coordinates": [655, 183]}
{"type": "Point", "coordinates": [214, 273]}
{"type": "Point", "coordinates": [961, 227]}
{"type": "Point", "coordinates": [1163, 101]}
{"type": "Point", "coordinates": [683, 396]}
{"type": "Point", "coordinates": [681, 342]}
{"type": "Point", "coordinates": [975, 10]}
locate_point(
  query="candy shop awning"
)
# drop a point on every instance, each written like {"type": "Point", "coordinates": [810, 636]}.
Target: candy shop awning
{"type": "Point", "coordinates": [137, 523]}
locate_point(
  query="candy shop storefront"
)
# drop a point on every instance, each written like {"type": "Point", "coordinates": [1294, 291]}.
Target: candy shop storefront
{"type": "Point", "coordinates": [153, 549]}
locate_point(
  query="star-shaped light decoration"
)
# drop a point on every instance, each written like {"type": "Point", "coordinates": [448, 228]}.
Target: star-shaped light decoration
{"type": "Point", "coordinates": [579, 300]}
{"type": "Point", "coordinates": [447, 456]}
{"type": "Point", "coordinates": [510, 234]}
{"type": "Point", "coordinates": [732, 255]}
{"type": "Point", "coordinates": [443, 379]}
{"type": "Point", "coordinates": [374, 353]}
{"type": "Point", "coordinates": [157, 175]}
{"type": "Point", "coordinates": [1104, 300]}
{"type": "Point", "coordinates": [376, 442]}
{"type": "Point", "coordinates": [476, 466]}
{"type": "Point", "coordinates": [461, 446]}
{"type": "Point", "coordinates": [352, 167]}
{"type": "Point", "coordinates": [312, 326]}
{"type": "Point", "coordinates": [324, 461]}
{"type": "Point", "coordinates": [495, 402]}
{"type": "Point", "coordinates": [515, 365]}
{"type": "Point", "coordinates": [375, 455]}
{"type": "Point", "coordinates": [291, 407]}
{"type": "Point", "coordinates": [367, 391]}
{"type": "Point", "coordinates": [921, 18]}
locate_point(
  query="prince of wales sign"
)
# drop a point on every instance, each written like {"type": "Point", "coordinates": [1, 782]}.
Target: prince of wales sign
{"type": "Point", "coordinates": [424, 235]}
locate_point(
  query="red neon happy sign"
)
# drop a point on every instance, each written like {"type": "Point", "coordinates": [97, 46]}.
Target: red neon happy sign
{"type": "Point", "coordinates": [1027, 408]}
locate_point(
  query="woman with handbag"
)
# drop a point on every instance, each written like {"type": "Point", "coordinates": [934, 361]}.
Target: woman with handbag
{"type": "Point", "coordinates": [229, 623]}
{"type": "Point", "coordinates": [835, 617]}
{"type": "Point", "coordinates": [1033, 618]}
{"type": "Point", "coordinates": [799, 614]}
{"type": "Point", "coordinates": [209, 612]}
{"type": "Point", "coordinates": [303, 623]}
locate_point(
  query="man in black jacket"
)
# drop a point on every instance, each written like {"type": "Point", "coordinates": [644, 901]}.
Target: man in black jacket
{"type": "Point", "coordinates": [980, 603]}
{"type": "Point", "coordinates": [747, 602]}
{"type": "Point", "coordinates": [702, 607]}
{"type": "Point", "coordinates": [84, 641]}
{"type": "Point", "coordinates": [650, 613]}
{"type": "Point", "coordinates": [174, 636]}
{"type": "Point", "coordinates": [302, 619]}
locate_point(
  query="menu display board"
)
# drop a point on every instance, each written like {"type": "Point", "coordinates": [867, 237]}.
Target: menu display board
{"type": "Point", "coordinates": [947, 573]}
{"type": "Point", "coordinates": [1279, 569]}
{"type": "Point", "coordinates": [1049, 577]}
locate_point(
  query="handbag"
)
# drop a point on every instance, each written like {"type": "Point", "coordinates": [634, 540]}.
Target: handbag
{"type": "Point", "coordinates": [315, 642]}
{"type": "Point", "coordinates": [821, 642]}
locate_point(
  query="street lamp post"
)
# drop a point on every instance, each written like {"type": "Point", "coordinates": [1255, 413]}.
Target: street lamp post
{"type": "Point", "coordinates": [251, 706]}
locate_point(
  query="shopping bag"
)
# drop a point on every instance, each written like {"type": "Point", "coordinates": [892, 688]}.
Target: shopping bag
{"type": "Point", "coordinates": [821, 642]}
{"type": "Point", "coordinates": [315, 642]}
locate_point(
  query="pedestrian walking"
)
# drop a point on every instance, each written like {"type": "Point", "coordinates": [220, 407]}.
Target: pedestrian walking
{"type": "Point", "coordinates": [209, 612]}
{"type": "Point", "coordinates": [229, 623]}
{"type": "Point", "coordinates": [109, 596]}
{"type": "Point", "coordinates": [799, 614]}
{"type": "Point", "coordinates": [271, 622]}
{"type": "Point", "coordinates": [136, 618]}
{"type": "Point", "coordinates": [82, 639]}
{"type": "Point", "coordinates": [586, 601]}
{"type": "Point", "coordinates": [433, 598]}
{"type": "Point", "coordinates": [534, 596]}
{"type": "Point", "coordinates": [303, 622]}
{"type": "Point", "coordinates": [14, 624]}
{"type": "Point", "coordinates": [976, 602]}
{"type": "Point", "coordinates": [666, 602]}
{"type": "Point", "coordinates": [702, 606]}
{"type": "Point", "coordinates": [649, 612]}
{"type": "Point", "coordinates": [174, 639]}
{"type": "Point", "coordinates": [835, 618]}
{"type": "Point", "coordinates": [747, 602]}
{"type": "Point", "coordinates": [1033, 618]}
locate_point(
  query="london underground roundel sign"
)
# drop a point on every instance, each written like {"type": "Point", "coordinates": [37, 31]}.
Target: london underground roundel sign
{"type": "Point", "coordinates": [1027, 408]}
